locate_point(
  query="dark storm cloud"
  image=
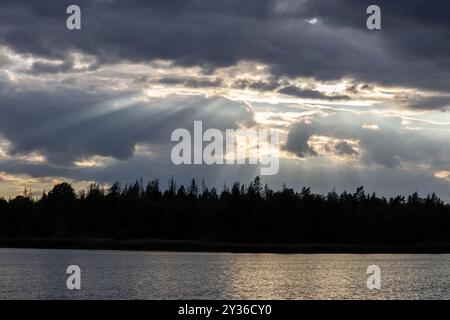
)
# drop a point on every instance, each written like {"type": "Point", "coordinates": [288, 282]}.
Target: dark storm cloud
{"type": "Point", "coordinates": [297, 141]}
{"type": "Point", "coordinates": [310, 94]}
{"type": "Point", "coordinates": [344, 148]}
{"type": "Point", "coordinates": [265, 85]}
{"type": "Point", "coordinates": [412, 49]}
{"type": "Point", "coordinates": [429, 103]}
{"type": "Point", "coordinates": [192, 82]}
{"type": "Point", "coordinates": [43, 67]}
{"type": "Point", "coordinates": [388, 146]}
{"type": "Point", "coordinates": [359, 88]}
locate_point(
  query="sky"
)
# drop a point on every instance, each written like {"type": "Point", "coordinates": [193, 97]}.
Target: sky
{"type": "Point", "coordinates": [352, 106]}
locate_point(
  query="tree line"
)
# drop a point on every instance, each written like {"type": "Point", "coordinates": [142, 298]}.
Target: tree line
{"type": "Point", "coordinates": [252, 213]}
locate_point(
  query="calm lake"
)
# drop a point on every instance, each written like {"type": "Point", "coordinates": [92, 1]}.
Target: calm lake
{"type": "Point", "coordinates": [41, 274]}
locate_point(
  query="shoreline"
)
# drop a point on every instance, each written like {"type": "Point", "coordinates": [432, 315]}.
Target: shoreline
{"type": "Point", "coordinates": [200, 246]}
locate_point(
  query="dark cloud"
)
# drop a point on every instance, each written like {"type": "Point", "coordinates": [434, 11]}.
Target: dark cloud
{"type": "Point", "coordinates": [297, 141]}
{"type": "Point", "coordinates": [430, 103]}
{"type": "Point", "coordinates": [412, 49]}
{"type": "Point", "coordinates": [310, 94]}
{"type": "Point", "coordinates": [45, 67]}
{"type": "Point", "coordinates": [266, 85]}
{"type": "Point", "coordinates": [192, 82]}
{"type": "Point", "coordinates": [388, 146]}
{"type": "Point", "coordinates": [344, 148]}
{"type": "Point", "coordinates": [359, 88]}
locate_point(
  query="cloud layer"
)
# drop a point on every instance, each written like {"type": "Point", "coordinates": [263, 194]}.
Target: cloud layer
{"type": "Point", "coordinates": [353, 106]}
{"type": "Point", "coordinates": [410, 50]}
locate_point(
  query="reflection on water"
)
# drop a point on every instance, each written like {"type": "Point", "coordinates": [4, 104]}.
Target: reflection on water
{"type": "Point", "coordinates": [40, 274]}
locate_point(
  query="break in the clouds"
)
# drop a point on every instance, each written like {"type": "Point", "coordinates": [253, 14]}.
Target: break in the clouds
{"type": "Point", "coordinates": [99, 104]}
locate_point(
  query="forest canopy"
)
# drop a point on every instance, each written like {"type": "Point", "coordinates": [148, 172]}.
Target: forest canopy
{"type": "Point", "coordinates": [251, 213]}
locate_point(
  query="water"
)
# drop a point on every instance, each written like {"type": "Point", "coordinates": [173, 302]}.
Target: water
{"type": "Point", "coordinates": [40, 274]}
